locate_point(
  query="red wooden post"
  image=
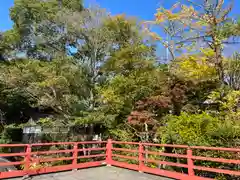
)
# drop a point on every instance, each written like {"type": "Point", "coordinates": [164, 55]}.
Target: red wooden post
{"type": "Point", "coordinates": [190, 162]}
{"type": "Point", "coordinates": [109, 152]}
{"type": "Point", "coordinates": [75, 155]}
{"type": "Point", "coordinates": [140, 158]}
{"type": "Point", "coordinates": [27, 158]}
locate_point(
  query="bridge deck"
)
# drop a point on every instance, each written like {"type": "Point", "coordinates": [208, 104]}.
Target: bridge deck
{"type": "Point", "coordinates": [98, 173]}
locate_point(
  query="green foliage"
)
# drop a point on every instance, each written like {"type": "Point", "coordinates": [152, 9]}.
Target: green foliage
{"type": "Point", "coordinates": [67, 67]}
{"type": "Point", "coordinates": [195, 68]}
{"type": "Point", "coordinates": [122, 133]}
{"type": "Point", "coordinates": [46, 122]}
{"type": "Point", "coordinates": [113, 78]}
{"type": "Point", "coordinates": [123, 91]}
{"type": "Point", "coordinates": [203, 130]}
{"type": "Point", "coordinates": [57, 84]}
{"type": "Point", "coordinates": [10, 134]}
{"type": "Point", "coordinates": [191, 27]}
{"type": "Point", "coordinates": [232, 73]}
{"type": "Point", "coordinates": [130, 58]}
{"type": "Point", "coordinates": [125, 30]}
{"type": "Point", "coordinates": [200, 129]}
{"type": "Point", "coordinates": [39, 33]}
{"type": "Point", "coordinates": [188, 129]}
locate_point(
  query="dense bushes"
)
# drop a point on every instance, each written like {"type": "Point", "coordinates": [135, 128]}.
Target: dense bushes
{"type": "Point", "coordinates": [75, 67]}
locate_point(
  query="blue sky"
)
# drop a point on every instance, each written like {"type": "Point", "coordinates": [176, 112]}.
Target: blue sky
{"type": "Point", "coordinates": [142, 9]}
{"type": "Point", "coordinates": [5, 22]}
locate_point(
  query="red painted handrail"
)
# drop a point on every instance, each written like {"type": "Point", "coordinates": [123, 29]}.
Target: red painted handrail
{"type": "Point", "coordinates": [117, 154]}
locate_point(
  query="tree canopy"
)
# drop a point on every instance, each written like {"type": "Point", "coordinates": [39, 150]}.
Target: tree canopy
{"type": "Point", "coordinates": [63, 63]}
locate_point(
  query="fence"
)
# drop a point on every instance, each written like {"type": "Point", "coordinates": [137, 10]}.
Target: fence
{"type": "Point", "coordinates": [143, 157]}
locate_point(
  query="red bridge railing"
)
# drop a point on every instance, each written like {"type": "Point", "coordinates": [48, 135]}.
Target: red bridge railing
{"type": "Point", "coordinates": [181, 162]}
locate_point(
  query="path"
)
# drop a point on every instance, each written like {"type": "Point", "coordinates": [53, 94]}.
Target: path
{"type": "Point", "coordinates": [99, 173]}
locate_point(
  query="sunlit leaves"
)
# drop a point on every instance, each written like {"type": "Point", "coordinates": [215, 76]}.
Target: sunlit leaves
{"type": "Point", "coordinates": [200, 129]}
{"type": "Point", "coordinates": [195, 68]}
{"type": "Point", "coordinates": [124, 30]}
{"type": "Point", "coordinates": [130, 58]}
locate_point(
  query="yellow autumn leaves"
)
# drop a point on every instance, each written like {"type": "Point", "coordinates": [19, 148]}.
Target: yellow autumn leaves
{"type": "Point", "coordinates": [197, 67]}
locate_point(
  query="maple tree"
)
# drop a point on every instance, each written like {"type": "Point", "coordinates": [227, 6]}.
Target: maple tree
{"type": "Point", "coordinates": [63, 64]}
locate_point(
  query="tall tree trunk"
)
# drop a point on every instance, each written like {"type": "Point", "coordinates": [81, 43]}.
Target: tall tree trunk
{"type": "Point", "coordinates": [219, 63]}
{"type": "Point", "coordinates": [216, 46]}
{"type": "Point", "coordinates": [92, 93]}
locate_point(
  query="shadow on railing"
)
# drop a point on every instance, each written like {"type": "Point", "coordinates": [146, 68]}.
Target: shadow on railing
{"type": "Point", "coordinates": [174, 161]}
